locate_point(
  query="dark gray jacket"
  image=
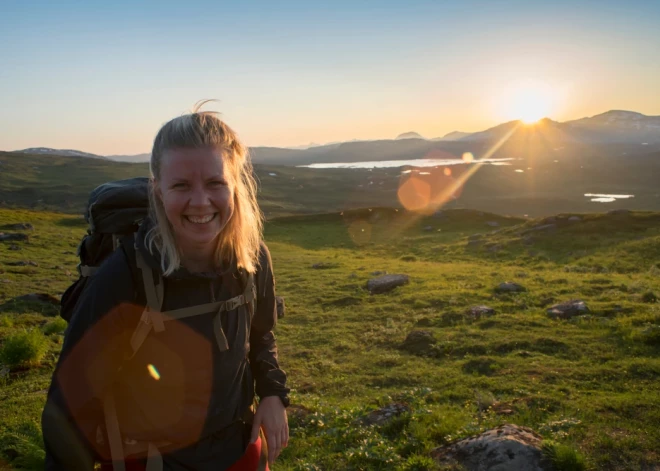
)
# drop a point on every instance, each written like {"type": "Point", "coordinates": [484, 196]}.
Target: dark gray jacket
{"type": "Point", "coordinates": [179, 387]}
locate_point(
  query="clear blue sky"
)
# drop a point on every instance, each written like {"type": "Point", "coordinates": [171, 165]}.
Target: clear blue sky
{"type": "Point", "coordinates": [103, 76]}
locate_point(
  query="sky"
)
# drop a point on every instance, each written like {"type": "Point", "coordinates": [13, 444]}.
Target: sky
{"type": "Point", "coordinates": [102, 77]}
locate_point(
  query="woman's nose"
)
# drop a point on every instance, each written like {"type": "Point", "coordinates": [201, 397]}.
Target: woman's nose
{"type": "Point", "coordinates": [199, 197]}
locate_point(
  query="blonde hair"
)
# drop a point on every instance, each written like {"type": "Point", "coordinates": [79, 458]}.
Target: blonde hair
{"type": "Point", "coordinates": [239, 242]}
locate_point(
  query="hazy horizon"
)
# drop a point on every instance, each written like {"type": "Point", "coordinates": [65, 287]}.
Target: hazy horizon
{"type": "Point", "coordinates": [102, 78]}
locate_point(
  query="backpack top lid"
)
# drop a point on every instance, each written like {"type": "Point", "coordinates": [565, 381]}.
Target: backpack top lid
{"type": "Point", "coordinates": [118, 207]}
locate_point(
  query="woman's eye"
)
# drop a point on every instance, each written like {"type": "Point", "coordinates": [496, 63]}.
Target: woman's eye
{"type": "Point", "coordinates": [179, 186]}
{"type": "Point", "coordinates": [216, 183]}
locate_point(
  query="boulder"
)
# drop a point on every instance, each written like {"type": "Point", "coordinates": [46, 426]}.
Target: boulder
{"type": "Point", "coordinates": [493, 223]}
{"type": "Point", "coordinates": [39, 297]}
{"type": "Point", "coordinates": [505, 448]}
{"type": "Point", "coordinates": [575, 219]}
{"type": "Point", "coordinates": [279, 302]}
{"type": "Point", "coordinates": [386, 283]}
{"type": "Point", "coordinates": [510, 287]}
{"type": "Point", "coordinates": [13, 236]}
{"type": "Point", "coordinates": [419, 342]}
{"type": "Point", "coordinates": [477, 312]}
{"type": "Point", "coordinates": [428, 228]}
{"type": "Point", "coordinates": [25, 226]}
{"type": "Point", "coordinates": [568, 309]}
{"type": "Point", "coordinates": [385, 414]}
{"type": "Point", "coordinates": [22, 264]}
{"type": "Point", "coordinates": [323, 266]}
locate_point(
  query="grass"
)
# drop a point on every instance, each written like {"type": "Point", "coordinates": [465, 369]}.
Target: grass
{"type": "Point", "coordinates": [588, 385]}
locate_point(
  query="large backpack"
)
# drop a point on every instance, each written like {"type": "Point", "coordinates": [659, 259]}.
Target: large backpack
{"type": "Point", "coordinates": [116, 210]}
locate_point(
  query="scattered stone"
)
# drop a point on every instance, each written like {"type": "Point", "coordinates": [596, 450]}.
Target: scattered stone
{"type": "Point", "coordinates": [384, 415]}
{"type": "Point", "coordinates": [323, 266]}
{"type": "Point", "coordinates": [615, 212]}
{"type": "Point", "coordinates": [428, 228]}
{"type": "Point", "coordinates": [510, 287]}
{"type": "Point", "coordinates": [39, 297]}
{"type": "Point", "coordinates": [378, 273]}
{"type": "Point", "coordinates": [14, 247]}
{"type": "Point", "coordinates": [6, 281]}
{"type": "Point", "coordinates": [13, 236]}
{"type": "Point", "coordinates": [493, 223]}
{"type": "Point", "coordinates": [575, 219]}
{"type": "Point", "coordinates": [279, 302]}
{"type": "Point", "coordinates": [419, 342]}
{"type": "Point", "coordinates": [544, 227]}
{"type": "Point", "coordinates": [22, 264]}
{"type": "Point", "coordinates": [25, 226]}
{"type": "Point", "coordinates": [4, 372]}
{"type": "Point", "coordinates": [568, 309]}
{"type": "Point", "coordinates": [386, 283]}
{"type": "Point", "coordinates": [505, 448]}
{"type": "Point", "coordinates": [477, 312]}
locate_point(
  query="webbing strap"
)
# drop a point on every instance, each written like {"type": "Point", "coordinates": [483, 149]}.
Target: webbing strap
{"type": "Point", "coordinates": [149, 318]}
{"type": "Point", "coordinates": [155, 459]}
{"type": "Point", "coordinates": [153, 292]}
{"type": "Point", "coordinates": [87, 270]}
{"type": "Point", "coordinates": [114, 436]}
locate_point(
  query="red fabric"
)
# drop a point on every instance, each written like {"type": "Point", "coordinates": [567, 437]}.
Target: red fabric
{"type": "Point", "coordinates": [248, 462]}
{"type": "Point", "coordinates": [250, 459]}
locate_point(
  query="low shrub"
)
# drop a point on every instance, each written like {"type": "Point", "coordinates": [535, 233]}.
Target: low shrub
{"type": "Point", "coordinates": [23, 349]}
{"type": "Point", "coordinates": [57, 326]}
{"type": "Point", "coordinates": [563, 457]}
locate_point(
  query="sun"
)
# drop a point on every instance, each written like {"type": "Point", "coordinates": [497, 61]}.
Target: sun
{"type": "Point", "coordinates": [528, 101]}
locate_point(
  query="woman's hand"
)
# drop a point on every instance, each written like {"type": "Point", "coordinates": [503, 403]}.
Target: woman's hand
{"type": "Point", "coordinates": [271, 415]}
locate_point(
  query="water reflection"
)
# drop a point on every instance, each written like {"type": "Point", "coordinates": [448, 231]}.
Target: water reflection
{"type": "Point", "coordinates": [403, 163]}
{"type": "Point", "coordinates": [606, 198]}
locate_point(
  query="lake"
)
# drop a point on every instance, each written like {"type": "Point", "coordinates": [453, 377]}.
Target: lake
{"type": "Point", "coordinates": [404, 163]}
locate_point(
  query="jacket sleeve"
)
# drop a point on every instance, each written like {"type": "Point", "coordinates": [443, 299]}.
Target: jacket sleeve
{"type": "Point", "coordinates": [269, 377]}
{"type": "Point", "coordinates": [95, 345]}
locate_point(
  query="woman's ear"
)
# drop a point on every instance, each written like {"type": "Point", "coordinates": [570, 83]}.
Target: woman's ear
{"type": "Point", "coordinates": [155, 188]}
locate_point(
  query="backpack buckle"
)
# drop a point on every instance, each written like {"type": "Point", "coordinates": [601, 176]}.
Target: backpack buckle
{"type": "Point", "coordinates": [235, 302]}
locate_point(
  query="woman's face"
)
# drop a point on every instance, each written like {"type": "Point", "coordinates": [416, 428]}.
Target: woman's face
{"type": "Point", "coordinates": [198, 196]}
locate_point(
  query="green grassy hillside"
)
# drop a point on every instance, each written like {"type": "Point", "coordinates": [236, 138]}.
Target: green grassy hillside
{"type": "Point", "coordinates": [590, 383]}
{"type": "Point", "coordinates": [535, 186]}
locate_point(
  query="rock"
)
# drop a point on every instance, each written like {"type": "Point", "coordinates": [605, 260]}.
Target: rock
{"type": "Point", "coordinates": [6, 281]}
{"type": "Point", "coordinates": [575, 219]}
{"type": "Point", "coordinates": [386, 414]}
{"type": "Point", "coordinates": [477, 312]}
{"type": "Point", "coordinates": [39, 297]}
{"type": "Point", "coordinates": [419, 342]}
{"type": "Point", "coordinates": [14, 247]}
{"type": "Point", "coordinates": [505, 448]}
{"type": "Point", "coordinates": [279, 301]}
{"type": "Point", "coordinates": [568, 309]}
{"type": "Point", "coordinates": [510, 287]}
{"type": "Point", "coordinates": [428, 228]}
{"type": "Point", "coordinates": [386, 283]}
{"type": "Point", "coordinates": [22, 264]}
{"type": "Point", "coordinates": [323, 266]}
{"type": "Point", "coordinates": [493, 223]}
{"type": "Point", "coordinates": [378, 273]}
{"type": "Point", "coordinates": [17, 227]}
{"type": "Point", "coordinates": [615, 212]}
{"type": "Point", "coordinates": [544, 227]}
{"type": "Point", "coordinates": [13, 236]}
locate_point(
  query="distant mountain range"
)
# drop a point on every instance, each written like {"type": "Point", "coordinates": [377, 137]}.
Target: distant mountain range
{"type": "Point", "coordinates": [615, 132]}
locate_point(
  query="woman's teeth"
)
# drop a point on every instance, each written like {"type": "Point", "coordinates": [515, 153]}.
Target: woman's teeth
{"type": "Point", "coordinates": [200, 220]}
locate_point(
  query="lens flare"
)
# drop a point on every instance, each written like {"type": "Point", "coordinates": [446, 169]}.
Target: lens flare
{"type": "Point", "coordinates": [468, 157]}
{"type": "Point", "coordinates": [447, 172]}
{"type": "Point", "coordinates": [153, 371]}
{"type": "Point", "coordinates": [360, 231]}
